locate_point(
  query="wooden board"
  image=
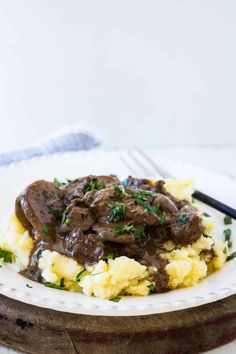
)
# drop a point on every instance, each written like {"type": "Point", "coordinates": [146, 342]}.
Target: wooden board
{"type": "Point", "coordinates": [36, 330]}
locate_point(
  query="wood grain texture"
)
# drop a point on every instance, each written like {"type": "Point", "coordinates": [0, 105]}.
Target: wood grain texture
{"type": "Point", "coordinates": [37, 330]}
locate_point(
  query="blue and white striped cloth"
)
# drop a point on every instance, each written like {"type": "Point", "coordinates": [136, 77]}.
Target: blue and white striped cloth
{"type": "Point", "coordinates": [69, 141]}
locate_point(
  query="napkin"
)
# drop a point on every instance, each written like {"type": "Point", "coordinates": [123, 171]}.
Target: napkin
{"type": "Point", "coordinates": [67, 139]}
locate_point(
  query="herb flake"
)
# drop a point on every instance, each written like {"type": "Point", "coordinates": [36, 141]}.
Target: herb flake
{"type": "Point", "coordinates": [231, 256]}
{"type": "Point", "coordinates": [227, 235]}
{"type": "Point", "coordinates": [138, 233]}
{"type": "Point", "coordinates": [182, 218]}
{"type": "Point", "coordinates": [109, 256]}
{"type": "Point", "coordinates": [63, 217]}
{"type": "Point", "coordinates": [206, 235]}
{"type": "Point", "coordinates": [56, 286]}
{"type": "Point", "coordinates": [143, 201]}
{"type": "Point", "coordinates": [151, 287]}
{"type": "Point", "coordinates": [57, 183]}
{"type": "Point", "coordinates": [118, 212]}
{"type": "Point", "coordinates": [94, 185]}
{"type": "Point", "coordinates": [79, 275]}
{"type": "Point", "coordinates": [45, 229]}
{"type": "Point", "coordinates": [6, 255]}
{"type": "Point", "coordinates": [227, 220]}
{"type": "Point", "coordinates": [206, 215]}
{"type": "Point", "coordinates": [119, 192]}
{"type": "Point", "coordinates": [115, 299]}
{"type": "Point", "coordinates": [67, 221]}
{"type": "Point", "coordinates": [55, 212]}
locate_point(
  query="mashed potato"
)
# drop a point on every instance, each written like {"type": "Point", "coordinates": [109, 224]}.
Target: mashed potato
{"type": "Point", "coordinates": [55, 266]}
{"type": "Point", "coordinates": [16, 239]}
{"type": "Point", "coordinates": [180, 190]}
{"type": "Point", "coordinates": [188, 265]}
{"type": "Point", "coordinates": [104, 280]}
{"type": "Point", "coordinates": [122, 275]}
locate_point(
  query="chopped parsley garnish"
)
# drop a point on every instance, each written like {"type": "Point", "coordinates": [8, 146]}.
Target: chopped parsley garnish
{"type": "Point", "coordinates": [138, 233]}
{"type": "Point", "coordinates": [206, 215]}
{"type": "Point", "coordinates": [151, 287]}
{"type": "Point", "coordinates": [118, 212]}
{"type": "Point", "coordinates": [162, 217]}
{"type": "Point", "coordinates": [227, 220]}
{"type": "Point", "coordinates": [231, 256]}
{"type": "Point", "coordinates": [56, 286]}
{"type": "Point", "coordinates": [63, 217]}
{"type": "Point", "coordinates": [140, 199]}
{"type": "Point", "coordinates": [6, 255]}
{"type": "Point", "coordinates": [138, 196]}
{"type": "Point", "coordinates": [45, 229]}
{"type": "Point", "coordinates": [55, 212]}
{"type": "Point", "coordinates": [67, 221]}
{"type": "Point", "coordinates": [206, 236]}
{"type": "Point", "coordinates": [57, 183]}
{"type": "Point", "coordinates": [94, 185]}
{"type": "Point", "coordinates": [182, 218]}
{"type": "Point", "coordinates": [71, 181]}
{"type": "Point", "coordinates": [152, 194]}
{"type": "Point", "coordinates": [79, 275]}
{"type": "Point", "coordinates": [225, 250]}
{"type": "Point", "coordinates": [109, 256]}
{"type": "Point", "coordinates": [119, 192]}
{"type": "Point", "coordinates": [115, 299]}
{"type": "Point", "coordinates": [172, 249]}
{"type": "Point", "coordinates": [28, 286]}
{"type": "Point", "coordinates": [227, 234]}
{"type": "Point", "coordinates": [56, 195]}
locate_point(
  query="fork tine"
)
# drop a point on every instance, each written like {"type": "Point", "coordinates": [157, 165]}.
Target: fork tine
{"type": "Point", "coordinates": [146, 170]}
{"type": "Point", "coordinates": [125, 158]}
{"type": "Point", "coordinates": [157, 168]}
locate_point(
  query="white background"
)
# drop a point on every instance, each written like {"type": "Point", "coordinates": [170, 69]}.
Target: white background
{"type": "Point", "coordinates": [140, 73]}
{"type": "Point", "coordinates": [144, 73]}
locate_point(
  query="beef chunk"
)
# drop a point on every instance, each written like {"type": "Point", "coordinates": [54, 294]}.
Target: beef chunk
{"type": "Point", "coordinates": [165, 203]}
{"type": "Point", "coordinates": [78, 187]}
{"type": "Point", "coordinates": [186, 228]}
{"type": "Point", "coordinates": [99, 202]}
{"type": "Point", "coordinates": [38, 204]}
{"type": "Point", "coordinates": [138, 215]}
{"type": "Point", "coordinates": [108, 180]}
{"type": "Point", "coordinates": [84, 248]}
{"type": "Point", "coordinates": [78, 217]}
{"type": "Point", "coordinates": [106, 233]}
{"type": "Point", "coordinates": [159, 186]}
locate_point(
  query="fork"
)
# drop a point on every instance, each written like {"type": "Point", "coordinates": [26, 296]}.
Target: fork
{"type": "Point", "coordinates": [136, 160]}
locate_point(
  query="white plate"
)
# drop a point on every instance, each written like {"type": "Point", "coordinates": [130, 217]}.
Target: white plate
{"type": "Point", "coordinates": [15, 177]}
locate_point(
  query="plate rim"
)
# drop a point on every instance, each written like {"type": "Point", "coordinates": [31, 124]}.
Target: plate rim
{"type": "Point", "coordinates": [147, 309]}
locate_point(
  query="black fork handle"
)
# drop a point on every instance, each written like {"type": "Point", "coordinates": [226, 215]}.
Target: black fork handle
{"type": "Point", "coordinates": [215, 204]}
